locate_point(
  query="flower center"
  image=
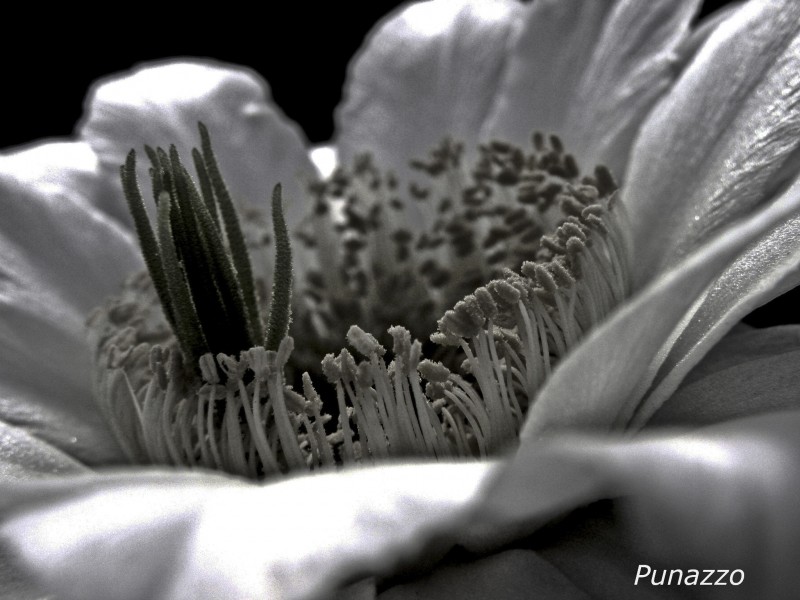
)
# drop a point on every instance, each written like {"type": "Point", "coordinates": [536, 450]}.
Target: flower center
{"type": "Point", "coordinates": [185, 374]}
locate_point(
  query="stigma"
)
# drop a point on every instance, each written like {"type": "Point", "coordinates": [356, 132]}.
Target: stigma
{"type": "Point", "coordinates": [500, 268]}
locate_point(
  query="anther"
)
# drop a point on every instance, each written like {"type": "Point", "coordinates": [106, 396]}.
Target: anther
{"type": "Point", "coordinates": [364, 342]}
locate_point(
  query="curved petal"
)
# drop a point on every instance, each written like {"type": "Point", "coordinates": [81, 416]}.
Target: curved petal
{"type": "Point", "coordinates": [724, 140]}
{"type": "Point", "coordinates": [601, 383]}
{"type": "Point", "coordinates": [180, 535]}
{"type": "Point", "coordinates": [720, 497]}
{"type": "Point", "coordinates": [764, 271]}
{"type": "Point", "coordinates": [24, 457]}
{"type": "Point", "coordinates": [159, 104]}
{"type": "Point", "coordinates": [14, 584]}
{"type": "Point", "coordinates": [61, 257]}
{"type": "Point", "coordinates": [727, 494]}
{"type": "Point", "coordinates": [51, 236]}
{"type": "Point", "coordinates": [589, 72]}
{"type": "Point", "coordinates": [747, 373]}
{"type": "Point", "coordinates": [428, 71]}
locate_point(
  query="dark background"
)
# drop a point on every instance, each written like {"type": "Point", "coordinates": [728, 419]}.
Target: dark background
{"type": "Point", "coordinates": [47, 68]}
{"type": "Point", "coordinates": [50, 59]}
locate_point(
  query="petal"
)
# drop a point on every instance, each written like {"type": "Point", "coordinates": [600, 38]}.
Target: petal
{"type": "Point", "coordinates": [14, 584]}
{"type": "Point", "coordinates": [51, 236]}
{"type": "Point", "coordinates": [720, 497]}
{"type": "Point", "coordinates": [182, 535]}
{"type": "Point", "coordinates": [510, 574]}
{"type": "Point", "coordinates": [62, 256]}
{"type": "Point", "coordinates": [749, 372]}
{"type": "Point", "coordinates": [726, 495]}
{"type": "Point", "coordinates": [765, 270]}
{"type": "Point", "coordinates": [159, 104]}
{"type": "Point", "coordinates": [723, 141]}
{"type": "Point", "coordinates": [603, 380]}
{"type": "Point", "coordinates": [589, 72]}
{"type": "Point", "coordinates": [24, 457]}
{"type": "Point", "coordinates": [428, 71]}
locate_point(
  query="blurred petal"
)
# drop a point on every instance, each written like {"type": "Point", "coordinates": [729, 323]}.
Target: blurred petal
{"type": "Point", "coordinates": [574, 73]}
{"type": "Point", "coordinates": [159, 104]}
{"type": "Point", "coordinates": [23, 457]}
{"type": "Point", "coordinates": [725, 496]}
{"type": "Point", "coordinates": [724, 140]}
{"type": "Point", "coordinates": [721, 497]}
{"type": "Point", "coordinates": [588, 547]}
{"type": "Point", "coordinates": [747, 373]}
{"type": "Point", "coordinates": [51, 235]}
{"type": "Point", "coordinates": [600, 384]}
{"type": "Point", "coordinates": [510, 574]}
{"type": "Point", "coordinates": [428, 71]}
{"type": "Point", "coordinates": [61, 257]}
{"type": "Point", "coordinates": [170, 535]}
{"type": "Point", "coordinates": [15, 585]}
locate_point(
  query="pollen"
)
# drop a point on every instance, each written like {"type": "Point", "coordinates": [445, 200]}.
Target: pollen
{"type": "Point", "coordinates": [500, 261]}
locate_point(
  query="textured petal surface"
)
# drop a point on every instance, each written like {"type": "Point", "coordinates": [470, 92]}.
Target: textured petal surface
{"type": "Point", "coordinates": [171, 535]}
{"type": "Point", "coordinates": [765, 270]}
{"type": "Point", "coordinates": [160, 104]}
{"type": "Point", "coordinates": [725, 138]}
{"type": "Point", "coordinates": [575, 73]}
{"type": "Point", "coordinates": [428, 71]}
{"type": "Point", "coordinates": [601, 383]}
{"type": "Point", "coordinates": [61, 257]}
{"type": "Point", "coordinates": [24, 457]}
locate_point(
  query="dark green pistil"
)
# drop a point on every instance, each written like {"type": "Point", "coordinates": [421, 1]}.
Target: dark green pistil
{"type": "Point", "coordinates": [198, 259]}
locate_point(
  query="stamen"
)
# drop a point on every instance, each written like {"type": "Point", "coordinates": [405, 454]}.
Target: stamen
{"type": "Point", "coordinates": [187, 374]}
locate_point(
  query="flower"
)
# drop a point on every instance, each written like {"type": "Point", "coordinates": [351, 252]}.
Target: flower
{"type": "Point", "coordinates": [731, 226]}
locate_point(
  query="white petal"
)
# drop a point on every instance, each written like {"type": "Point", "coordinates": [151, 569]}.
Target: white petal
{"type": "Point", "coordinates": [325, 159]}
{"type": "Point", "coordinates": [602, 381]}
{"type": "Point", "coordinates": [15, 585]}
{"type": "Point", "coordinates": [175, 535]}
{"type": "Point", "coordinates": [765, 270]}
{"type": "Point", "coordinates": [721, 497]}
{"type": "Point", "coordinates": [52, 238]}
{"type": "Point", "coordinates": [428, 71]}
{"type": "Point", "coordinates": [589, 72]}
{"type": "Point", "coordinates": [159, 104]}
{"type": "Point", "coordinates": [723, 140]}
{"type": "Point", "coordinates": [24, 457]}
{"type": "Point", "coordinates": [61, 257]}
{"type": "Point", "coordinates": [725, 494]}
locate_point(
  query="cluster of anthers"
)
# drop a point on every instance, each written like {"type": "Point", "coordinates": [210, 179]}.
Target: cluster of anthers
{"type": "Point", "coordinates": [188, 372]}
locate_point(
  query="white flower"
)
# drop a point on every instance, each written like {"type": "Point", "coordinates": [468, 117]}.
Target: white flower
{"type": "Point", "coordinates": [709, 184]}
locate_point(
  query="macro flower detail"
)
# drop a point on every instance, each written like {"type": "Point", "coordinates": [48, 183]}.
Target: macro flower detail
{"type": "Point", "coordinates": [185, 376]}
{"type": "Point", "coordinates": [577, 343]}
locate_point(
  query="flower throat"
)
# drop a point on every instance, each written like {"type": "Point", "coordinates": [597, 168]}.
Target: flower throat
{"type": "Point", "coordinates": [189, 371]}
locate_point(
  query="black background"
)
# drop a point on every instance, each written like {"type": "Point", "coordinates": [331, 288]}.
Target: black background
{"type": "Point", "coordinates": [51, 57]}
{"type": "Point", "coordinates": [302, 50]}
